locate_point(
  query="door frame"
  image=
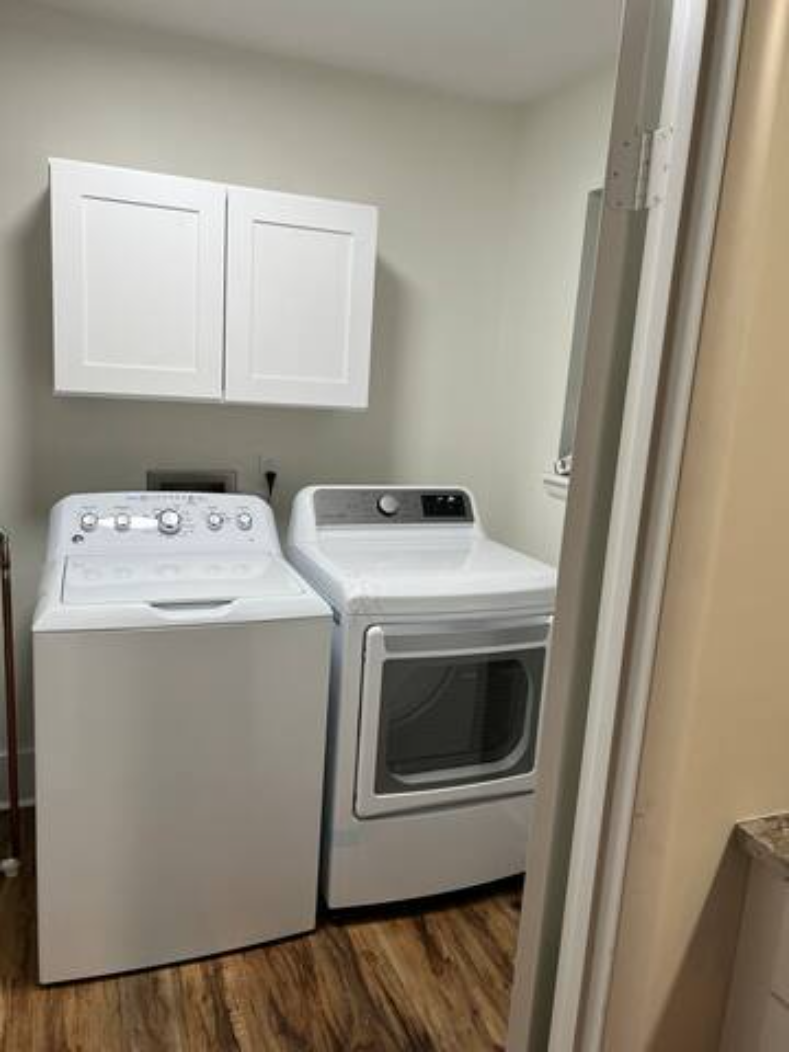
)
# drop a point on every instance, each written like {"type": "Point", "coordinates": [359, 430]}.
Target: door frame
{"type": "Point", "coordinates": [623, 495]}
{"type": "Point", "coordinates": [712, 137]}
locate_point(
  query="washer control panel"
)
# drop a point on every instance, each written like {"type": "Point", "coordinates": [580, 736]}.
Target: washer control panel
{"type": "Point", "coordinates": [370, 507]}
{"type": "Point", "coordinates": [163, 520]}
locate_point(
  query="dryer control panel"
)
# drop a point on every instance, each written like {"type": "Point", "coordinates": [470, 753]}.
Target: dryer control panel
{"type": "Point", "coordinates": [156, 521]}
{"type": "Point", "coordinates": [369, 506]}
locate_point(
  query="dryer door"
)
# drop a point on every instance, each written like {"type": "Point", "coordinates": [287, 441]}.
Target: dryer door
{"type": "Point", "coordinates": [450, 713]}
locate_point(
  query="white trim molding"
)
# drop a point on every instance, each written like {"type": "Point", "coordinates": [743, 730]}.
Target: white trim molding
{"type": "Point", "coordinates": [697, 251]}
{"type": "Point", "coordinates": [685, 47]}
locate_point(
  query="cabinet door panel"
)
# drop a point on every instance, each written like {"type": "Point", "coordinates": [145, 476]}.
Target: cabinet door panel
{"type": "Point", "coordinates": [299, 299]}
{"type": "Point", "coordinates": [138, 273]}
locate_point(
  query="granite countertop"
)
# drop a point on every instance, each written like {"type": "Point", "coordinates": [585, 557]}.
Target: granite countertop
{"type": "Point", "coordinates": [767, 839]}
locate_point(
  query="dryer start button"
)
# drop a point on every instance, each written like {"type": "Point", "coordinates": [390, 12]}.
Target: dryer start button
{"type": "Point", "coordinates": [388, 505]}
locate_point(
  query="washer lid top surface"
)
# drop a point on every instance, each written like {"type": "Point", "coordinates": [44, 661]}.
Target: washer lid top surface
{"type": "Point", "coordinates": [177, 578]}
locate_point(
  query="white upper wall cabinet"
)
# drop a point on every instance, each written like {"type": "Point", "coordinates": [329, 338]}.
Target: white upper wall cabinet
{"type": "Point", "coordinates": [138, 280]}
{"type": "Point", "coordinates": [147, 306]}
{"type": "Point", "coordinates": [300, 276]}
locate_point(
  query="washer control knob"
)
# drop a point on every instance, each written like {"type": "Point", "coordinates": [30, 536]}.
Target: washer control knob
{"type": "Point", "coordinates": [88, 522]}
{"type": "Point", "coordinates": [388, 505]}
{"type": "Point", "coordinates": [244, 520]}
{"type": "Point", "coordinates": [122, 522]}
{"type": "Point", "coordinates": [169, 521]}
{"type": "Point", "coordinates": [215, 520]}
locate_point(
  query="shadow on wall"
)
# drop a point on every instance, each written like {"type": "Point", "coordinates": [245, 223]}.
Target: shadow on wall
{"type": "Point", "coordinates": [31, 293]}
{"type": "Point", "coordinates": [692, 1018]}
{"type": "Point", "coordinates": [29, 333]}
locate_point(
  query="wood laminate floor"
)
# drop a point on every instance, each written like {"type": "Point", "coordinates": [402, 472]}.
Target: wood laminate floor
{"type": "Point", "coordinates": [428, 978]}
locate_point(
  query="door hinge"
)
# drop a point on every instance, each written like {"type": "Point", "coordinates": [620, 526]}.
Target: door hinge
{"type": "Point", "coordinates": [638, 170]}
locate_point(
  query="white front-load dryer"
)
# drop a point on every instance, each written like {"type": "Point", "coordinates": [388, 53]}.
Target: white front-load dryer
{"type": "Point", "coordinates": [181, 675]}
{"type": "Point", "coordinates": [439, 654]}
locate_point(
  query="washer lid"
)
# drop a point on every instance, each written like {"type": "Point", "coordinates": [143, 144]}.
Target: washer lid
{"type": "Point", "coordinates": [103, 579]}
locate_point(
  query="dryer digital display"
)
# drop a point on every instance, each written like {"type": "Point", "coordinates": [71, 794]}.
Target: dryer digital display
{"type": "Point", "coordinates": [444, 506]}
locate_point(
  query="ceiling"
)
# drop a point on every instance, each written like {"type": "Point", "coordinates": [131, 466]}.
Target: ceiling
{"type": "Point", "coordinates": [501, 50]}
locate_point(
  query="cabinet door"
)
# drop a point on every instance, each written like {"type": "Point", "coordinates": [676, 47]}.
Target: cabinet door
{"type": "Point", "coordinates": [300, 276]}
{"type": "Point", "coordinates": [138, 278]}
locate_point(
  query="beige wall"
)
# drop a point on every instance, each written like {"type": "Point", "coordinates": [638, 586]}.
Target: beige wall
{"type": "Point", "coordinates": [440, 170]}
{"type": "Point", "coordinates": [451, 178]}
{"type": "Point", "coordinates": [718, 732]}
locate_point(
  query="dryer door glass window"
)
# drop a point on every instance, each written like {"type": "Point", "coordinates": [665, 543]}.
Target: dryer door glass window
{"type": "Point", "coordinates": [454, 719]}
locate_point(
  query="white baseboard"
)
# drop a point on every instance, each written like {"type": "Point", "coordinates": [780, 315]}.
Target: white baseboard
{"type": "Point", "coordinates": [26, 777]}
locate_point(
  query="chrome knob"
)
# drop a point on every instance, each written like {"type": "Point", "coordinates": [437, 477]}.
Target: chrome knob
{"type": "Point", "coordinates": [169, 521]}
{"type": "Point", "coordinates": [389, 505]}
{"type": "Point", "coordinates": [88, 522]}
{"type": "Point", "coordinates": [122, 522]}
{"type": "Point", "coordinates": [215, 520]}
{"type": "Point", "coordinates": [244, 520]}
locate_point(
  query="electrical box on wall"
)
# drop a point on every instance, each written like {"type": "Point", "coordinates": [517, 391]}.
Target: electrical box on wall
{"type": "Point", "coordinates": [193, 481]}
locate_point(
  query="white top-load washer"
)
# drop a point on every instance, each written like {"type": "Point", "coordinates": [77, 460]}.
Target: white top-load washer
{"type": "Point", "coordinates": [181, 676]}
{"type": "Point", "coordinates": [439, 655]}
